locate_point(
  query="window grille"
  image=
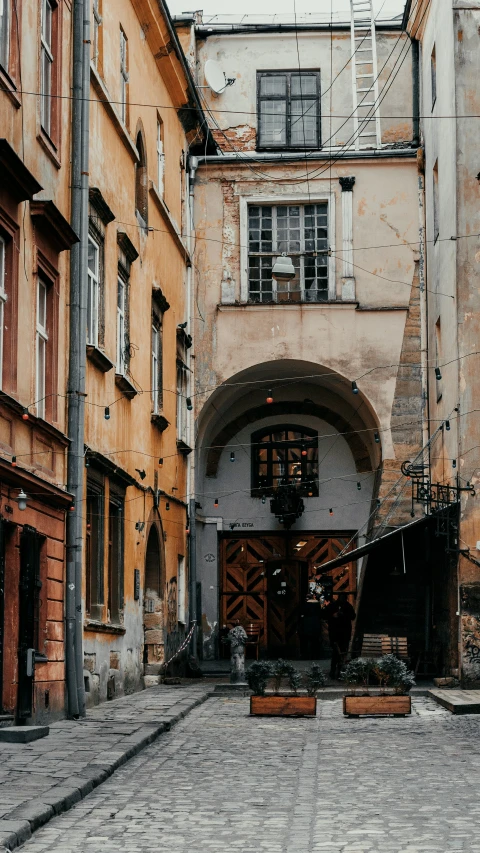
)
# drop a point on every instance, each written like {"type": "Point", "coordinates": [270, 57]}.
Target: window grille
{"type": "Point", "coordinates": [46, 66]}
{"type": "Point", "coordinates": [285, 455]}
{"type": "Point", "coordinates": [300, 231]}
{"type": "Point", "coordinates": [288, 109]}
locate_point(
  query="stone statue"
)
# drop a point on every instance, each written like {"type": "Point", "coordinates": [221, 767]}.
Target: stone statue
{"type": "Point", "coordinates": [237, 637]}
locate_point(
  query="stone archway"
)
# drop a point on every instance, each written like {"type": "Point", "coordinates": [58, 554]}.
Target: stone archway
{"type": "Point", "coordinates": [153, 616]}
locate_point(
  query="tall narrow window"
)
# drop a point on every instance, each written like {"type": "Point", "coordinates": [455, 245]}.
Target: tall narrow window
{"type": "Point", "coordinates": [47, 59]}
{"type": "Point", "coordinates": [3, 299]}
{"type": "Point", "coordinates": [94, 545]}
{"type": "Point", "coordinates": [93, 294]}
{"type": "Point", "coordinates": [433, 76]}
{"type": "Point", "coordinates": [300, 231]}
{"type": "Point", "coordinates": [160, 158]}
{"type": "Point", "coordinates": [121, 336]}
{"type": "Point", "coordinates": [436, 208]}
{"type": "Point", "coordinates": [115, 556]}
{"type": "Point", "coordinates": [181, 590]}
{"type": "Point", "coordinates": [157, 372]}
{"type": "Point", "coordinates": [141, 181]}
{"type": "Point", "coordinates": [123, 76]}
{"type": "Point", "coordinates": [41, 347]}
{"type": "Point", "coordinates": [96, 33]}
{"type": "Point", "coordinates": [5, 23]}
{"type": "Point", "coordinates": [181, 402]}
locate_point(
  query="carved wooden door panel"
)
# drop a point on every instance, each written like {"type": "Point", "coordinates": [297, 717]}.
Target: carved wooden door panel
{"type": "Point", "coordinates": [287, 585]}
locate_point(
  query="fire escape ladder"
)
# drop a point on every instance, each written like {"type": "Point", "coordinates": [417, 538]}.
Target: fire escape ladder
{"type": "Point", "coordinates": [366, 113]}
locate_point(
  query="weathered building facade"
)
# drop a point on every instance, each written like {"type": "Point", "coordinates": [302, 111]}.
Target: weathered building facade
{"type": "Point", "coordinates": [312, 387]}
{"type": "Point", "coordinates": [35, 242]}
{"type": "Point", "coordinates": [449, 63]}
{"type": "Point", "coordinates": [138, 432]}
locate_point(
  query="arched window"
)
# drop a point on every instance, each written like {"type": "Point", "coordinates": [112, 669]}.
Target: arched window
{"type": "Point", "coordinates": [141, 180]}
{"type": "Point", "coordinates": [283, 455]}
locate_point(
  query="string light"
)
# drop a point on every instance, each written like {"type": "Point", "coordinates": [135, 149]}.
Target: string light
{"type": "Point", "coordinates": [359, 486]}
{"type": "Point", "coordinates": [167, 505]}
{"type": "Point", "coordinates": [160, 462]}
{"type": "Point", "coordinates": [107, 413]}
{"type": "Point", "coordinates": [14, 461]}
{"type": "Point", "coordinates": [264, 499]}
{"type": "Point", "coordinates": [189, 404]}
{"type": "Point", "coordinates": [304, 450]}
{"type": "Point", "coordinates": [25, 414]}
{"type": "Point", "coordinates": [215, 503]}
{"type": "Point", "coordinates": [454, 463]}
{"type": "Point", "coordinates": [330, 511]}
{"type": "Point", "coordinates": [447, 426]}
{"type": "Point", "coordinates": [376, 437]}
{"type": "Point", "coordinates": [232, 456]}
{"type": "Point", "coordinates": [438, 374]}
{"type": "Point", "coordinates": [354, 387]}
{"type": "Point", "coordinates": [269, 396]}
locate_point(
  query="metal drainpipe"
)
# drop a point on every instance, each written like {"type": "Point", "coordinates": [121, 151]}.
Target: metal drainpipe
{"type": "Point", "coordinates": [192, 168]}
{"type": "Point", "coordinates": [77, 356]}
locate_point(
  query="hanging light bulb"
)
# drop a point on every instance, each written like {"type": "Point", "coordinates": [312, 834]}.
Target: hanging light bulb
{"type": "Point", "coordinates": [330, 511]}
{"type": "Point", "coordinates": [21, 500]}
{"type": "Point", "coordinates": [269, 396]}
{"type": "Point", "coordinates": [283, 269]}
{"type": "Point", "coordinates": [232, 457]}
{"type": "Point", "coordinates": [167, 506]}
{"type": "Point", "coordinates": [378, 501]}
{"type": "Point", "coordinates": [189, 404]}
{"type": "Point", "coordinates": [160, 461]}
{"type": "Point", "coordinates": [438, 374]}
{"type": "Point", "coordinates": [14, 461]}
{"type": "Point", "coordinates": [359, 486]}
{"type": "Point", "coordinates": [376, 437]}
{"type": "Point", "coordinates": [215, 503]}
{"type": "Point", "coordinates": [25, 414]}
{"type": "Point", "coordinates": [304, 450]}
{"type": "Point", "coordinates": [72, 508]}
{"type": "Point", "coordinates": [454, 463]}
{"type": "Point", "coordinates": [107, 413]}
{"type": "Point", "coordinates": [447, 426]}
{"type": "Point", "coordinates": [354, 387]}
{"type": "Point", "coordinates": [264, 499]}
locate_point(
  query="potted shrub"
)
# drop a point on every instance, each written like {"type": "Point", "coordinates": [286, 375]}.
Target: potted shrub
{"type": "Point", "coordinates": [281, 703]}
{"type": "Point", "coordinates": [395, 682]}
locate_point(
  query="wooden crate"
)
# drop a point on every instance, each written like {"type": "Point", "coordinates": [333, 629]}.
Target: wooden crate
{"type": "Point", "coordinates": [361, 706]}
{"type": "Point", "coordinates": [283, 706]}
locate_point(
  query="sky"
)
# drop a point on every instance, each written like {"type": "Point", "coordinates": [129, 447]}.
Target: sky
{"type": "Point", "coordinates": [250, 7]}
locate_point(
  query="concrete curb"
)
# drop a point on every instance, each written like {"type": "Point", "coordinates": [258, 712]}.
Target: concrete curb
{"type": "Point", "coordinates": [19, 824]}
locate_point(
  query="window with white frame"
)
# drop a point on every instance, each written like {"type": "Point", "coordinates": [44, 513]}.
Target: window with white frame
{"type": "Point", "coordinates": [97, 23]}
{"type": "Point", "coordinates": [46, 67]}
{"type": "Point", "coordinates": [181, 402]}
{"type": "Point", "coordinates": [5, 13]}
{"type": "Point", "coordinates": [93, 292]}
{"type": "Point", "coordinates": [41, 346]}
{"type": "Point", "coordinates": [160, 158]}
{"type": "Point", "coordinates": [181, 590]}
{"type": "Point", "coordinates": [3, 299]}
{"type": "Point", "coordinates": [299, 231]}
{"type": "Point", "coordinates": [123, 76]}
{"type": "Point", "coordinates": [157, 371]}
{"type": "Point", "coordinates": [121, 325]}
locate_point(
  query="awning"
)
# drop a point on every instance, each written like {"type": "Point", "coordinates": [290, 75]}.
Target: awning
{"type": "Point", "coordinates": [375, 543]}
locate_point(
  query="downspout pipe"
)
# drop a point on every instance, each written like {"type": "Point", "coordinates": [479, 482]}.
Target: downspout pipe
{"type": "Point", "coordinates": [77, 356]}
{"type": "Point", "coordinates": [192, 553]}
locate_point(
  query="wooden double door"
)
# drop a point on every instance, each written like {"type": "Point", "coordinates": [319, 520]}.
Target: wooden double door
{"type": "Point", "coordinates": [264, 582]}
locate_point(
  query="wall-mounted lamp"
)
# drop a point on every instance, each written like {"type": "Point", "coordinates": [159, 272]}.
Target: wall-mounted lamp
{"type": "Point", "coordinates": [21, 500]}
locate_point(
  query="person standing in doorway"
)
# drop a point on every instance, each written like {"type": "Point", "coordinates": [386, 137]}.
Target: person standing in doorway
{"type": "Point", "coordinates": [340, 615]}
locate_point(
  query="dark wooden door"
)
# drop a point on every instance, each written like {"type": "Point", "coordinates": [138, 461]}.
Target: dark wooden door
{"type": "Point", "coordinates": [2, 607]}
{"type": "Point", "coordinates": [30, 586]}
{"type": "Point", "coordinates": [286, 589]}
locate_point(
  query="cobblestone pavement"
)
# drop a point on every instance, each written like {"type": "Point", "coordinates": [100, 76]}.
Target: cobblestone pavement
{"type": "Point", "coordinates": [222, 781]}
{"type": "Point", "coordinates": [49, 775]}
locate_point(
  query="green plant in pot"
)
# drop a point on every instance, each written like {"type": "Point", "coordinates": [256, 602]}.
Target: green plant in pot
{"type": "Point", "coordinates": [393, 673]}
{"type": "Point", "coordinates": [257, 676]}
{"type": "Point", "coordinates": [314, 679]}
{"type": "Point", "coordinates": [357, 673]}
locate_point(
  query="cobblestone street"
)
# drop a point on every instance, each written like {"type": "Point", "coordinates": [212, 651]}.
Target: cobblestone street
{"type": "Point", "coordinates": [224, 781]}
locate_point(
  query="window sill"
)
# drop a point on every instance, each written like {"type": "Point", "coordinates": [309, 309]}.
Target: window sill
{"type": "Point", "coordinates": [160, 422]}
{"type": "Point", "coordinates": [8, 86]}
{"type": "Point", "coordinates": [103, 627]}
{"type": "Point", "coordinates": [282, 306]}
{"type": "Point", "coordinates": [120, 127]}
{"type": "Point", "coordinates": [49, 148]}
{"type": "Point", "coordinates": [99, 359]}
{"type": "Point", "coordinates": [125, 386]}
{"type": "Point", "coordinates": [183, 447]}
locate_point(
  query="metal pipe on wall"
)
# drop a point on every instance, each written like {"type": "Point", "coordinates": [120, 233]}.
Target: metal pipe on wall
{"type": "Point", "coordinates": [77, 356]}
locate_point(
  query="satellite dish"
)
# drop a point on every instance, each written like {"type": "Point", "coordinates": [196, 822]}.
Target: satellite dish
{"type": "Point", "coordinates": [215, 77]}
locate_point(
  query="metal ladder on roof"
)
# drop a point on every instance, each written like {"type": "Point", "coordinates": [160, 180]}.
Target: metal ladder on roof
{"type": "Point", "coordinates": [366, 113]}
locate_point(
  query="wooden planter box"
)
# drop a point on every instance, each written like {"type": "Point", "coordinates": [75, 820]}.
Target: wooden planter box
{"type": "Point", "coordinates": [283, 706]}
{"type": "Point", "coordinates": [361, 706]}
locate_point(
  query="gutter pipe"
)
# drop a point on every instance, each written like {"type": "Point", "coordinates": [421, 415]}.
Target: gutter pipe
{"type": "Point", "coordinates": [322, 154]}
{"type": "Point", "coordinates": [192, 553]}
{"type": "Point", "coordinates": [77, 356]}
